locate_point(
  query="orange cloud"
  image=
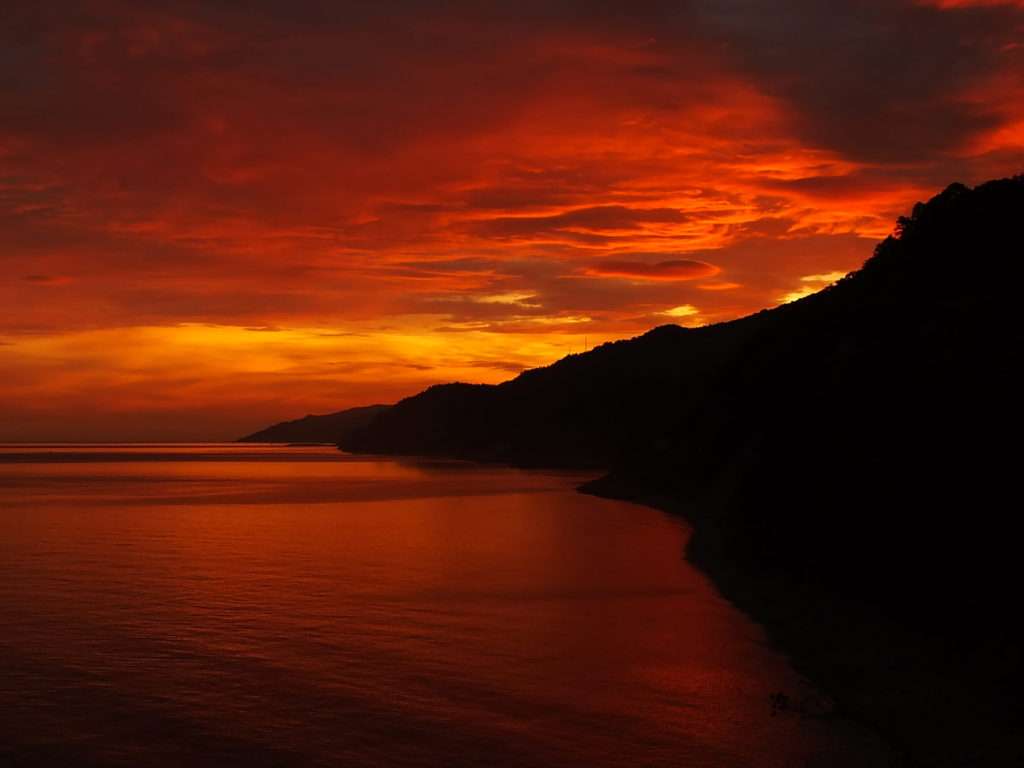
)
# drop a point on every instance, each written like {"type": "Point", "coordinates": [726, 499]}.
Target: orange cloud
{"type": "Point", "coordinates": [410, 181]}
{"type": "Point", "coordinates": [676, 269]}
{"type": "Point", "coordinates": [811, 284]}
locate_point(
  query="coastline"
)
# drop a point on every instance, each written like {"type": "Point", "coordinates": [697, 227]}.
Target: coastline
{"type": "Point", "coordinates": [916, 692]}
{"type": "Point", "coordinates": [936, 702]}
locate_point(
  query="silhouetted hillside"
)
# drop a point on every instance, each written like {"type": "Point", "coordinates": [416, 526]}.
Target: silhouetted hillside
{"type": "Point", "coordinates": [328, 428]}
{"type": "Point", "coordinates": [896, 376]}
{"type": "Point", "coordinates": [854, 451]}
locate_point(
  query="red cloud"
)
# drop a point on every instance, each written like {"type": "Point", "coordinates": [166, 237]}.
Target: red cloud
{"type": "Point", "coordinates": [972, 3]}
{"type": "Point", "coordinates": [358, 171]}
{"type": "Point", "coordinates": [678, 269]}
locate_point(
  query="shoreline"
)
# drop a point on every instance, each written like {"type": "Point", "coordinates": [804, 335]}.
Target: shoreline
{"type": "Point", "coordinates": [901, 684]}
{"type": "Point", "coordinates": [932, 702]}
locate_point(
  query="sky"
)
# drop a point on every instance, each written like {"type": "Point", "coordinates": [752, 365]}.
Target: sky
{"type": "Point", "coordinates": [216, 215]}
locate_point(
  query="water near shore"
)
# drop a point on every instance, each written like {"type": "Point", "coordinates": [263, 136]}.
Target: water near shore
{"type": "Point", "coordinates": [223, 605]}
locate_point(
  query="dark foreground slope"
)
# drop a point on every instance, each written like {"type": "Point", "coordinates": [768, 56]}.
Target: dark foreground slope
{"type": "Point", "coordinates": [849, 461]}
{"type": "Point", "coordinates": [328, 428]}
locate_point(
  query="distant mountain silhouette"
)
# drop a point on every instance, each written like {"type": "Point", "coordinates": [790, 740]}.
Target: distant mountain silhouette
{"type": "Point", "coordinates": [849, 461]}
{"type": "Point", "coordinates": [327, 428]}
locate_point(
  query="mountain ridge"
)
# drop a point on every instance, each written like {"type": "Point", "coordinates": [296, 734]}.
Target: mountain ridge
{"type": "Point", "coordinates": [846, 460]}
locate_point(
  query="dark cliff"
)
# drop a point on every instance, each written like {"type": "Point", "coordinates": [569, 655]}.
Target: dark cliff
{"type": "Point", "coordinates": [849, 462]}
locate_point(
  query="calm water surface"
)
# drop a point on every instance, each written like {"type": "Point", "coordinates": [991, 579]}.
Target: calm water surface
{"type": "Point", "coordinates": [224, 605]}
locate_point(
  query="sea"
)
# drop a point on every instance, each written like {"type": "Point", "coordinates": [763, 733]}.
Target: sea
{"type": "Point", "coordinates": [273, 605]}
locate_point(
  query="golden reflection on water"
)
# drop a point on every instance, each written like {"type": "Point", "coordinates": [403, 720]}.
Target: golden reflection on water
{"type": "Point", "coordinates": [246, 605]}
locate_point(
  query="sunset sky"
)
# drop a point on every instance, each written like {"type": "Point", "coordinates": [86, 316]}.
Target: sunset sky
{"type": "Point", "coordinates": [217, 215]}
